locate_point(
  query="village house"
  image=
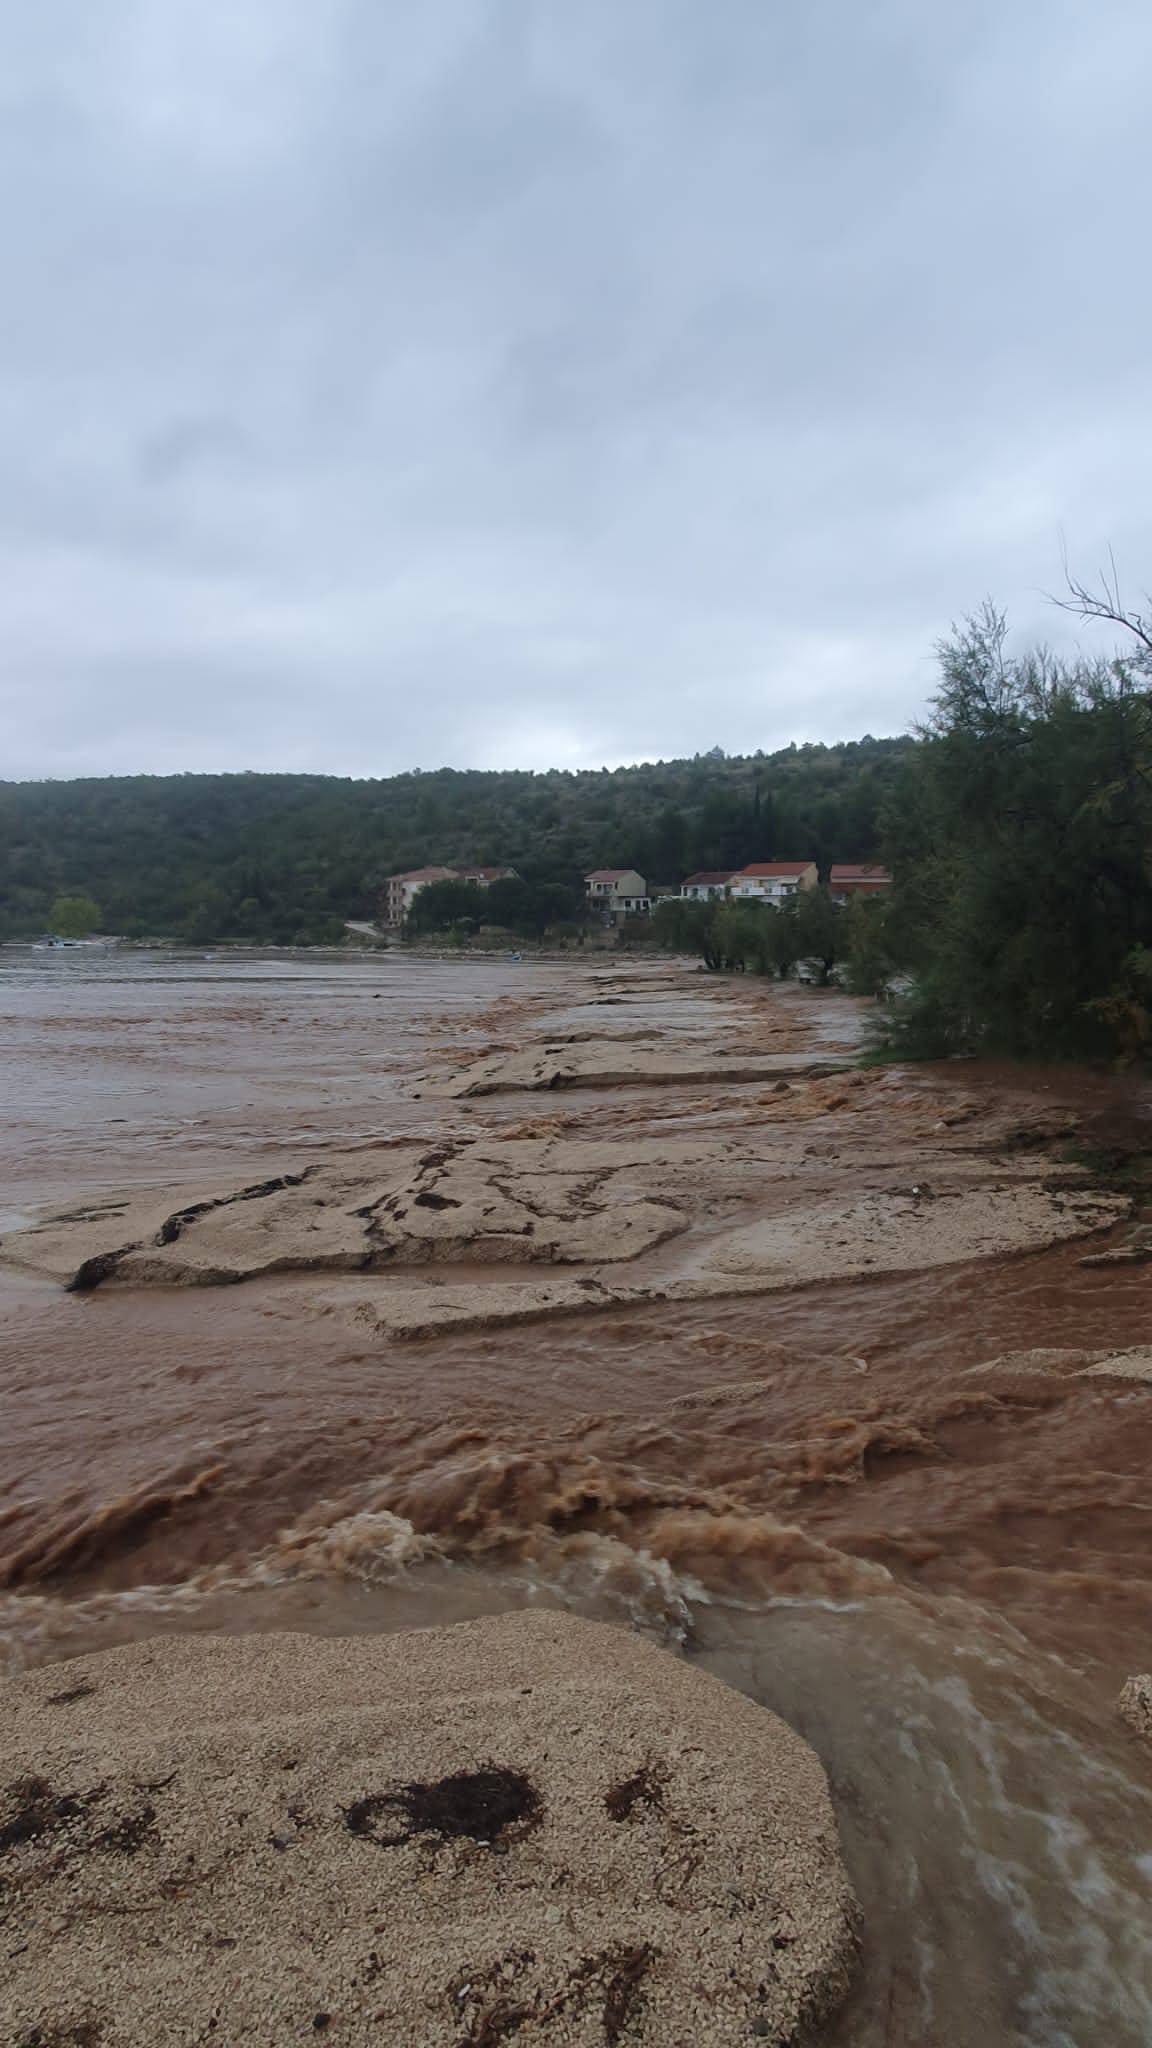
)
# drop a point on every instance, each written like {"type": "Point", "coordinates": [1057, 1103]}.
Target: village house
{"type": "Point", "coordinates": [772, 881]}
{"type": "Point", "coordinates": [706, 887]}
{"type": "Point", "coordinates": [400, 891]}
{"type": "Point", "coordinates": [484, 877]}
{"type": "Point", "coordinates": [617, 893]}
{"type": "Point", "coordinates": [846, 881]}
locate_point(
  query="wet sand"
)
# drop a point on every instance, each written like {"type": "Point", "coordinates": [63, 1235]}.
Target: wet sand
{"type": "Point", "coordinates": [939, 1575]}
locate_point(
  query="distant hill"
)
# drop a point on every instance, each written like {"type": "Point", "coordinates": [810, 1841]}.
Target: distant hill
{"type": "Point", "coordinates": [280, 857]}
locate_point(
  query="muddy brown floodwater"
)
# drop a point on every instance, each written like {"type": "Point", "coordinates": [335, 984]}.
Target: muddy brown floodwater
{"type": "Point", "coordinates": [355, 1294]}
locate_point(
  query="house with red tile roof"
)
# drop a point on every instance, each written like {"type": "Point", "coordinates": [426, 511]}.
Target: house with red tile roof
{"type": "Point", "coordinates": [846, 881]}
{"type": "Point", "coordinates": [772, 881]}
{"type": "Point", "coordinates": [709, 884]}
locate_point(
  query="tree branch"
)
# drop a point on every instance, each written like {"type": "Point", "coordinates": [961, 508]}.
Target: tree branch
{"type": "Point", "coordinates": [1105, 603]}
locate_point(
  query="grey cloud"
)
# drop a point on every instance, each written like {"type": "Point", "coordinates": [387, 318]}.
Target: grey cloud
{"type": "Point", "coordinates": [532, 382]}
{"type": "Point", "coordinates": [186, 441]}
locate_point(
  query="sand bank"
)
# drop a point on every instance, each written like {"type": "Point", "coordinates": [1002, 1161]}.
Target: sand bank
{"type": "Point", "coordinates": [531, 1826]}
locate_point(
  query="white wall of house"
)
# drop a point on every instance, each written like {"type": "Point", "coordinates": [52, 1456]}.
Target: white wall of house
{"type": "Point", "coordinates": [762, 889]}
{"type": "Point", "coordinates": [773, 888]}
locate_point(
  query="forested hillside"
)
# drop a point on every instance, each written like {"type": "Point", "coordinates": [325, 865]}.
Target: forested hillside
{"type": "Point", "coordinates": [281, 857]}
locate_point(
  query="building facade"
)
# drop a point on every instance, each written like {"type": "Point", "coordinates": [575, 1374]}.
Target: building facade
{"type": "Point", "coordinates": [400, 891]}
{"type": "Point", "coordinates": [772, 881]}
{"type": "Point", "coordinates": [846, 881]}
{"type": "Point", "coordinates": [708, 886]}
{"type": "Point", "coordinates": [617, 893]}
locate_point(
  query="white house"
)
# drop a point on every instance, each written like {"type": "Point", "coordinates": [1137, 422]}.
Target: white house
{"type": "Point", "coordinates": [707, 886]}
{"type": "Point", "coordinates": [617, 893]}
{"type": "Point", "coordinates": [772, 881]}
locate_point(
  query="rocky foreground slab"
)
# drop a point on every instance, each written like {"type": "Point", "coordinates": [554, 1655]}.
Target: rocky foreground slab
{"type": "Point", "coordinates": [529, 1828]}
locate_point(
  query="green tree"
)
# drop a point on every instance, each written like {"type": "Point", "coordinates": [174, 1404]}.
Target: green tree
{"type": "Point", "coordinates": [249, 918]}
{"type": "Point", "coordinates": [781, 944]}
{"type": "Point", "coordinates": [209, 915]}
{"type": "Point", "coordinates": [728, 936]}
{"type": "Point", "coordinates": [441, 906]}
{"type": "Point", "coordinates": [677, 924]}
{"type": "Point", "coordinates": [74, 917]}
{"type": "Point", "coordinates": [735, 936]}
{"type": "Point", "coordinates": [1022, 866]}
{"type": "Point", "coordinates": [867, 950]}
{"type": "Point", "coordinates": [529, 907]}
{"type": "Point", "coordinates": [1126, 1011]}
{"type": "Point", "coordinates": [510, 902]}
{"type": "Point", "coordinates": [819, 930]}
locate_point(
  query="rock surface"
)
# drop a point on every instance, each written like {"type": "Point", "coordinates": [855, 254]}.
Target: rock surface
{"type": "Point", "coordinates": [1064, 1363]}
{"type": "Point", "coordinates": [529, 1827]}
{"type": "Point", "coordinates": [507, 1202]}
{"type": "Point", "coordinates": [888, 1233]}
{"type": "Point", "coordinates": [1135, 1704]}
{"type": "Point", "coordinates": [592, 1065]}
{"type": "Point", "coordinates": [689, 1216]}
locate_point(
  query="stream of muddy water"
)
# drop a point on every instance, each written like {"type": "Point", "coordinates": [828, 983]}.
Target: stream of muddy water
{"type": "Point", "coordinates": [886, 1502]}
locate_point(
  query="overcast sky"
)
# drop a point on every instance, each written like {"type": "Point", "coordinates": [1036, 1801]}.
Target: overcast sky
{"type": "Point", "coordinates": [551, 382]}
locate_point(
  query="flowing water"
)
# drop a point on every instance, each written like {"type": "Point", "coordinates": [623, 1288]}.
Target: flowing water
{"type": "Point", "coordinates": [941, 1585]}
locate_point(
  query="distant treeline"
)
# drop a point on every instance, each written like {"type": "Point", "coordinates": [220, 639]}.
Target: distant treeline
{"type": "Point", "coordinates": [283, 858]}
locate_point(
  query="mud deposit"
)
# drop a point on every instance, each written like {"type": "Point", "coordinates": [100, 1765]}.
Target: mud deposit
{"type": "Point", "coordinates": [354, 1296]}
